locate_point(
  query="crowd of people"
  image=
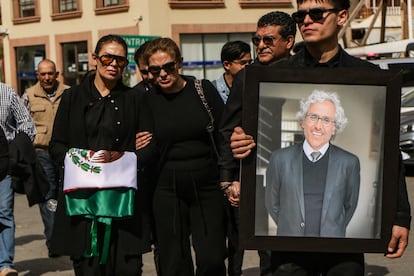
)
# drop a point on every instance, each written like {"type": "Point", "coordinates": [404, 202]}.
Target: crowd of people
{"type": "Point", "coordinates": [134, 170]}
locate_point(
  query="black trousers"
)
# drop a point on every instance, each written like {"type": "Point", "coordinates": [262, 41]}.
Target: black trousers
{"type": "Point", "coordinates": [235, 258]}
{"type": "Point", "coordinates": [317, 264]}
{"type": "Point", "coordinates": [189, 204]}
{"type": "Point", "coordinates": [115, 266]}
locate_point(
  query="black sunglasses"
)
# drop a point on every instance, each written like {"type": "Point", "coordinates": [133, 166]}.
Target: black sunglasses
{"type": "Point", "coordinates": [143, 71]}
{"type": "Point", "coordinates": [315, 14]}
{"type": "Point", "coordinates": [107, 59]}
{"type": "Point", "coordinates": [267, 40]}
{"type": "Point", "coordinates": [168, 67]}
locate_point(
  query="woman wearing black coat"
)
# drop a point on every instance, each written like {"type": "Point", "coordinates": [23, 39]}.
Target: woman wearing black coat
{"type": "Point", "coordinates": [188, 203]}
{"type": "Point", "coordinates": [102, 113]}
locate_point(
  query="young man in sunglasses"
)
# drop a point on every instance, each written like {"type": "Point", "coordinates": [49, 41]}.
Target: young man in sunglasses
{"type": "Point", "coordinates": [319, 22]}
{"type": "Point", "coordinates": [146, 82]}
{"type": "Point", "coordinates": [273, 40]}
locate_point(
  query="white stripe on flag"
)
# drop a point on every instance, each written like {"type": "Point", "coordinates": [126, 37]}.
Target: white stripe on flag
{"type": "Point", "coordinates": [86, 174]}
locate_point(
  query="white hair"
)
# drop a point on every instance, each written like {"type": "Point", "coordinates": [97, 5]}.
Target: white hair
{"type": "Point", "coordinates": [318, 96]}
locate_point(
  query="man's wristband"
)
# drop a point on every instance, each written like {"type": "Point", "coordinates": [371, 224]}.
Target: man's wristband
{"type": "Point", "coordinates": [225, 185]}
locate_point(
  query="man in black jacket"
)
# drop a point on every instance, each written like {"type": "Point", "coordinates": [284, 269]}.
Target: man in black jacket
{"type": "Point", "coordinates": [273, 40]}
{"type": "Point", "coordinates": [319, 22]}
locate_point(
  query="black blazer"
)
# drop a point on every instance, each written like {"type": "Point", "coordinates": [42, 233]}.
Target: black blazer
{"type": "Point", "coordinates": [28, 175]}
{"type": "Point", "coordinates": [71, 234]}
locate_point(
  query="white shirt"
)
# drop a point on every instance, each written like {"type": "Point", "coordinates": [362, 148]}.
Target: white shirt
{"type": "Point", "coordinates": [307, 149]}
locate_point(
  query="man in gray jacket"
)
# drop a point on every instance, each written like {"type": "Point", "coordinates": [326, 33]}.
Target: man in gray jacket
{"type": "Point", "coordinates": [320, 198]}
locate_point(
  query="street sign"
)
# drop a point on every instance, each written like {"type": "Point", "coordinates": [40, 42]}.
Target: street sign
{"type": "Point", "coordinates": [133, 43]}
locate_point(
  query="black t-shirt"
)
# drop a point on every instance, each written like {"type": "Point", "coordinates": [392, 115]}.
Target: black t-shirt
{"type": "Point", "coordinates": [180, 121]}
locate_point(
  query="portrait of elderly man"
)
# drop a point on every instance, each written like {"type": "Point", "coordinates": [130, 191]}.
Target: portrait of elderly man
{"type": "Point", "coordinates": [312, 187]}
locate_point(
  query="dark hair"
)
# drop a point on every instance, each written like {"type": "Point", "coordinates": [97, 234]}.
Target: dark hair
{"type": "Point", "coordinates": [139, 53]}
{"type": "Point", "coordinates": [163, 44]}
{"type": "Point", "coordinates": [282, 19]}
{"type": "Point", "coordinates": [338, 4]}
{"type": "Point", "coordinates": [233, 50]}
{"type": "Point", "coordinates": [110, 38]}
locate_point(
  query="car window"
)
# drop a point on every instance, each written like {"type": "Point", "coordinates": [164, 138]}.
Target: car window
{"type": "Point", "coordinates": [407, 98]}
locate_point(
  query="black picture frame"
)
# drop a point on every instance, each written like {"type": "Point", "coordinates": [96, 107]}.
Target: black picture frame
{"type": "Point", "coordinates": [371, 100]}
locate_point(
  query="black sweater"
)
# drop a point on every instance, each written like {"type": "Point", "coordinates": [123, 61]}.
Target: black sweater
{"type": "Point", "coordinates": [180, 121]}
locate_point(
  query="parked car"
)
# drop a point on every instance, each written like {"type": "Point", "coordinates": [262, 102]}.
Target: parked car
{"type": "Point", "coordinates": [407, 108]}
{"type": "Point", "coordinates": [407, 130]}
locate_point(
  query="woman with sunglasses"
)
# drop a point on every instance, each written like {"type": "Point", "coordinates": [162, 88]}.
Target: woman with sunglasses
{"type": "Point", "coordinates": [187, 201]}
{"type": "Point", "coordinates": [101, 113]}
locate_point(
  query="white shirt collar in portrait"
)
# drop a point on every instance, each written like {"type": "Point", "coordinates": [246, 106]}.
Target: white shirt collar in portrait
{"type": "Point", "coordinates": [308, 150]}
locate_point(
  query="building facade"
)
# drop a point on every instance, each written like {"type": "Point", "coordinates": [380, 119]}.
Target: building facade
{"type": "Point", "coordinates": [67, 30]}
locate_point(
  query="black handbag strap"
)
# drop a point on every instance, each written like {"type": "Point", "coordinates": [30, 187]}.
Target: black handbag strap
{"type": "Point", "coordinates": [210, 126]}
{"type": "Point", "coordinates": [200, 92]}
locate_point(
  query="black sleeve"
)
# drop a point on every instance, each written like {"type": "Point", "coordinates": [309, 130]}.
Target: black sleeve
{"type": "Point", "coordinates": [214, 101]}
{"type": "Point", "coordinates": [59, 143]}
{"type": "Point", "coordinates": [403, 215]}
{"type": "Point", "coordinates": [4, 155]}
{"type": "Point", "coordinates": [229, 166]}
{"type": "Point", "coordinates": [148, 155]}
{"type": "Point", "coordinates": [216, 105]}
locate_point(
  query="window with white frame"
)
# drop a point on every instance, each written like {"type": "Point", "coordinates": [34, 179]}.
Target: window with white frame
{"type": "Point", "coordinates": [66, 9]}
{"type": "Point", "coordinates": [25, 11]}
{"type": "Point", "coordinates": [111, 6]}
{"type": "Point", "coordinates": [108, 3]}
{"type": "Point", "coordinates": [27, 8]}
{"type": "Point", "coordinates": [68, 5]}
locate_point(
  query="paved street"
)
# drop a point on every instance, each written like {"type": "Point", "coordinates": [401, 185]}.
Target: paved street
{"type": "Point", "coordinates": [31, 254]}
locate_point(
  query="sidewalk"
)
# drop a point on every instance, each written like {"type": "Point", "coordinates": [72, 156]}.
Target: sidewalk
{"type": "Point", "coordinates": [31, 257]}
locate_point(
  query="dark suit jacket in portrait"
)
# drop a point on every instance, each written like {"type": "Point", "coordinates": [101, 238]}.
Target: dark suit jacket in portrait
{"type": "Point", "coordinates": [285, 198]}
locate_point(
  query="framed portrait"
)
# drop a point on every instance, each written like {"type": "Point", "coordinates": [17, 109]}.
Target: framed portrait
{"type": "Point", "coordinates": [345, 204]}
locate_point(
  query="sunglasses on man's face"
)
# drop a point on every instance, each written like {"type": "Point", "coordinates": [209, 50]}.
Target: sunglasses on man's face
{"type": "Point", "coordinates": [267, 40]}
{"type": "Point", "coordinates": [144, 71]}
{"type": "Point", "coordinates": [107, 59]}
{"type": "Point", "coordinates": [315, 14]}
{"type": "Point", "coordinates": [168, 67]}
